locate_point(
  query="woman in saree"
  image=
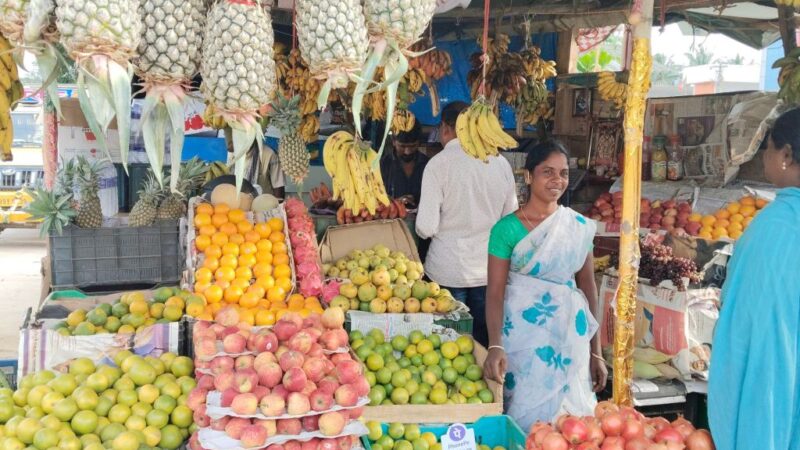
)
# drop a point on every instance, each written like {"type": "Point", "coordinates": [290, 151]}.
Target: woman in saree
{"type": "Point", "coordinates": [541, 300]}
{"type": "Point", "coordinates": [754, 384]}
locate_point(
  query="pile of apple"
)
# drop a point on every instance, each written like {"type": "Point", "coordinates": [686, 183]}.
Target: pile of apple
{"type": "Point", "coordinates": [667, 215]}
{"type": "Point", "coordinates": [262, 385]}
{"type": "Point", "coordinates": [615, 428]}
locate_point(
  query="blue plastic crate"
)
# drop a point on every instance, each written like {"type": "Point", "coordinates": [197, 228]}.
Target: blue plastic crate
{"type": "Point", "coordinates": [8, 373]}
{"type": "Point", "coordinates": [491, 430]}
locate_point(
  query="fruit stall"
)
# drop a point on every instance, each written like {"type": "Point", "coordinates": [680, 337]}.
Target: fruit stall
{"type": "Point", "coordinates": [189, 305]}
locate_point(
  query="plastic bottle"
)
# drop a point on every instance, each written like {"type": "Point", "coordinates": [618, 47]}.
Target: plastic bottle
{"type": "Point", "coordinates": [675, 163]}
{"type": "Point", "coordinates": [658, 163]}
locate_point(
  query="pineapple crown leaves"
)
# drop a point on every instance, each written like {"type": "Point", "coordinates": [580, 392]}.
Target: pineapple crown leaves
{"type": "Point", "coordinates": [285, 114]}
{"type": "Point", "coordinates": [151, 191]}
{"type": "Point", "coordinates": [65, 177]}
{"type": "Point", "coordinates": [54, 210]}
{"type": "Point", "coordinates": [88, 174]}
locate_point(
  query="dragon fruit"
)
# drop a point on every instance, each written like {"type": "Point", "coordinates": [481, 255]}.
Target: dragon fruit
{"type": "Point", "coordinates": [330, 290]}
{"type": "Point", "coordinates": [304, 248]}
{"type": "Point", "coordinates": [312, 284]}
{"type": "Point", "coordinates": [295, 207]}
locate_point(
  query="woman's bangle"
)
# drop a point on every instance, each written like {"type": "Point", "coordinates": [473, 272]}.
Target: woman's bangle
{"type": "Point", "coordinates": [497, 347]}
{"type": "Point", "coordinates": [599, 357]}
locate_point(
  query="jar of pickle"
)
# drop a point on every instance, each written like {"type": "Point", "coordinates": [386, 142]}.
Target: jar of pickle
{"type": "Point", "coordinates": [675, 162]}
{"type": "Point", "coordinates": [658, 159]}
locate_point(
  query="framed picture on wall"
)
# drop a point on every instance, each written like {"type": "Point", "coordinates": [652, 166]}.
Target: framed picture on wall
{"type": "Point", "coordinates": [581, 102]}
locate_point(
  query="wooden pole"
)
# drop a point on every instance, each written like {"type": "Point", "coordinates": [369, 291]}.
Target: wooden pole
{"type": "Point", "coordinates": [787, 28]}
{"type": "Point", "coordinates": [638, 85]}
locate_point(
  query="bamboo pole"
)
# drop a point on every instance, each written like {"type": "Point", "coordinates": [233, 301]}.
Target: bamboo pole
{"type": "Point", "coordinates": [638, 86]}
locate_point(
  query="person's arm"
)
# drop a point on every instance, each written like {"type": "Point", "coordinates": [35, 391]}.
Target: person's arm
{"type": "Point", "coordinates": [586, 283]}
{"type": "Point", "coordinates": [510, 203]}
{"type": "Point", "coordinates": [496, 362]}
{"type": "Point", "coordinates": [430, 204]}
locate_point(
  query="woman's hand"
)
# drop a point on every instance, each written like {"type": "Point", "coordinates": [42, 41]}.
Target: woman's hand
{"type": "Point", "coordinates": [495, 365]}
{"type": "Point", "coordinates": [599, 374]}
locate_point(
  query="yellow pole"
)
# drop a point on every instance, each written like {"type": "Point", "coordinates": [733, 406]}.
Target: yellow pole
{"type": "Point", "coordinates": [638, 86]}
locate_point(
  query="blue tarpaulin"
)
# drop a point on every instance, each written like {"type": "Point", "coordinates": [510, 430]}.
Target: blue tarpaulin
{"type": "Point", "coordinates": [454, 87]}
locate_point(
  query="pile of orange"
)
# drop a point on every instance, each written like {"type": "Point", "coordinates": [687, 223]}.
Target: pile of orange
{"type": "Point", "coordinates": [730, 221]}
{"type": "Point", "coordinates": [243, 264]}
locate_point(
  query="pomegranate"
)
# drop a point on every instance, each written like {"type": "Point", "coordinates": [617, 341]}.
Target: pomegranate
{"type": "Point", "coordinates": [657, 447]}
{"type": "Point", "coordinates": [659, 423]}
{"type": "Point", "coordinates": [649, 431]}
{"type": "Point", "coordinates": [538, 438]}
{"type": "Point", "coordinates": [684, 427]}
{"type": "Point", "coordinates": [554, 441]}
{"type": "Point", "coordinates": [613, 443]}
{"type": "Point", "coordinates": [595, 434]}
{"type": "Point", "coordinates": [612, 424]}
{"type": "Point", "coordinates": [630, 413]}
{"type": "Point", "coordinates": [587, 446]}
{"type": "Point", "coordinates": [604, 408]}
{"type": "Point", "coordinates": [574, 430]}
{"type": "Point", "coordinates": [638, 443]}
{"type": "Point", "coordinates": [560, 421]}
{"type": "Point", "coordinates": [632, 429]}
{"type": "Point", "coordinates": [675, 446]}
{"type": "Point", "coordinates": [700, 440]}
{"type": "Point", "coordinates": [668, 434]}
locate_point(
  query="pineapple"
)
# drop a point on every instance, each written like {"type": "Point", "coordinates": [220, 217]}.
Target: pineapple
{"type": "Point", "coordinates": [90, 214]}
{"type": "Point", "coordinates": [333, 38]}
{"type": "Point", "coordinates": [53, 208]}
{"type": "Point", "coordinates": [12, 19]}
{"type": "Point", "coordinates": [143, 213]}
{"type": "Point", "coordinates": [403, 21]}
{"type": "Point", "coordinates": [191, 176]}
{"type": "Point", "coordinates": [292, 151]}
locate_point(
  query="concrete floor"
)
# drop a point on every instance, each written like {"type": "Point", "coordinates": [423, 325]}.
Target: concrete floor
{"type": "Point", "coordinates": [21, 253]}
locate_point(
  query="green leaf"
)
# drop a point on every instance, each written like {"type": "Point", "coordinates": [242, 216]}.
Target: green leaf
{"type": "Point", "coordinates": [89, 112]}
{"type": "Point", "coordinates": [120, 84]}
{"type": "Point", "coordinates": [175, 110]}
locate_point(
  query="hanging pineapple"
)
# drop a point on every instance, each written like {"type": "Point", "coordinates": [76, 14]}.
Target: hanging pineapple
{"type": "Point", "coordinates": [292, 151]}
{"type": "Point", "coordinates": [143, 213]}
{"type": "Point", "coordinates": [190, 177]}
{"type": "Point", "coordinates": [102, 36]}
{"type": "Point", "coordinates": [394, 26]}
{"type": "Point", "coordinates": [333, 41]}
{"type": "Point", "coordinates": [90, 214]}
{"type": "Point", "coordinates": [239, 72]}
{"type": "Point", "coordinates": [169, 55]}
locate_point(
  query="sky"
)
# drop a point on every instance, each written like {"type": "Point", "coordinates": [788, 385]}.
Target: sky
{"type": "Point", "coordinates": [673, 42]}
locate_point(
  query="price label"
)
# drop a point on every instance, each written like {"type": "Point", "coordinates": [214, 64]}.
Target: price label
{"type": "Point", "coordinates": [458, 437]}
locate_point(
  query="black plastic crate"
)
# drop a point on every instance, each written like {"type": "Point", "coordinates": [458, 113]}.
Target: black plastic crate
{"type": "Point", "coordinates": [110, 256]}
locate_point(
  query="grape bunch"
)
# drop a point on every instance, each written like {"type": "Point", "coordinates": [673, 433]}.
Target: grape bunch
{"type": "Point", "coordinates": [659, 264]}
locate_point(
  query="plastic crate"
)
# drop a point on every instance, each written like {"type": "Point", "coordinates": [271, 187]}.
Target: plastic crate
{"type": "Point", "coordinates": [8, 373]}
{"type": "Point", "coordinates": [463, 325]}
{"type": "Point", "coordinates": [112, 256]}
{"type": "Point", "coordinates": [490, 430]}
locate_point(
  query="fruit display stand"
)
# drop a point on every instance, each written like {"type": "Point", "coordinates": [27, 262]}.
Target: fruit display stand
{"type": "Point", "coordinates": [43, 347]}
{"type": "Point", "coordinates": [496, 432]}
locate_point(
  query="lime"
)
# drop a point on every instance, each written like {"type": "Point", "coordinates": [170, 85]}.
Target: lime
{"type": "Point", "coordinates": [419, 398]}
{"type": "Point", "coordinates": [182, 366]}
{"type": "Point", "coordinates": [449, 375]}
{"type": "Point", "coordinates": [400, 396]}
{"type": "Point", "coordinates": [399, 343]}
{"type": "Point", "coordinates": [420, 444]}
{"type": "Point", "coordinates": [449, 350]}
{"type": "Point", "coordinates": [171, 437]}
{"type": "Point", "coordinates": [376, 395]}
{"type": "Point", "coordinates": [486, 396]}
{"type": "Point", "coordinates": [438, 396]}
{"type": "Point", "coordinates": [396, 431]}
{"type": "Point", "coordinates": [460, 364]}
{"type": "Point", "coordinates": [412, 432]}
{"type": "Point", "coordinates": [126, 440]}
{"type": "Point", "coordinates": [465, 345]}
{"type": "Point", "coordinates": [429, 437]}
{"type": "Point", "coordinates": [84, 422]}
{"type": "Point", "coordinates": [375, 430]}
{"type": "Point", "coordinates": [403, 445]}
{"type": "Point", "coordinates": [474, 372]}
{"type": "Point", "coordinates": [45, 438]}
{"type": "Point", "coordinates": [374, 362]}
{"type": "Point", "coordinates": [384, 376]}
{"type": "Point", "coordinates": [430, 358]}
{"type": "Point", "coordinates": [416, 336]}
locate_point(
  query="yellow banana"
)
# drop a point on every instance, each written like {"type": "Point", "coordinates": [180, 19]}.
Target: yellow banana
{"type": "Point", "coordinates": [497, 130]}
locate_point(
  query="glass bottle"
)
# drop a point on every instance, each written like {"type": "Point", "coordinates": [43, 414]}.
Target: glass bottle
{"type": "Point", "coordinates": [658, 162]}
{"type": "Point", "coordinates": [646, 153]}
{"type": "Point", "coordinates": [675, 163]}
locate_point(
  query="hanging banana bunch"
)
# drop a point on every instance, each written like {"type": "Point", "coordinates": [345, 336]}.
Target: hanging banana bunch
{"type": "Point", "coordinates": [612, 90]}
{"type": "Point", "coordinates": [435, 65]}
{"type": "Point", "coordinates": [505, 72]}
{"type": "Point", "coordinates": [789, 77]}
{"type": "Point", "coordinates": [403, 120]}
{"type": "Point", "coordinates": [356, 179]}
{"type": "Point", "coordinates": [533, 103]}
{"type": "Point", "coordinates": [480, 133]}
{"type": "Point", "coordinates": [11, 91]}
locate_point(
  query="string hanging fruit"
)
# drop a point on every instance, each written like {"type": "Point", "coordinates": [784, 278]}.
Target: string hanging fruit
{"type": "Point", "coordinates": [11, 91]}
{"type": "Point", "coordinates": [169, 55]}
{"type": "Point", "coordinates": [239, 72]}
{"type": "Point", "coordinates": [355, 178]}
{"type": "Point", "coordinates": [612, 90]}
{"type": "Point", "coordinates": [102, 50]}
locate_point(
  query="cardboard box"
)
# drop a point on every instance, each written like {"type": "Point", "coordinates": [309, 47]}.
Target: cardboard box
{"type": "Point", "coordinates": [341, 240]}
{"type": "Point", "coordinates": [678, 323]}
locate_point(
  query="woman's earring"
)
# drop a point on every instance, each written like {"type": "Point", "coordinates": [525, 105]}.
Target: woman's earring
{"type": "Point", "coordinates": [784, 165]}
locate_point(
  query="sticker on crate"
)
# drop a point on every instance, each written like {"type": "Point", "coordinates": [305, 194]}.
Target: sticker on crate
{"type": "Point", "coordinates": [458, 437]}
{"type": "Point", "coordinates": [241, 434]}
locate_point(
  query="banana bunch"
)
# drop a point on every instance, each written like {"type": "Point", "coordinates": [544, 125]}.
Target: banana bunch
{"type": "Point", "coordinates": [356, 176]}
{"type": "Point", "coordinates": [611, 90]}
{"type": "Point", "coordinates": [309, 128]}
{"type": "Point", "coordinates": [403, 120]}
{"type": "Point", "coordinates": [789, 77]}
{"type": "Point", "coordinates": [505, 72]}
{"type": "Point", "coordinates": [650, 363]}
{"type": "Point", "coordinates": [212, 119]}
{"type": "Point", "coordinates": [217, 169]}
{"type": "Point", "coordinates": [602, 263]}
{"type": "Point", "coordinates": [11, 91]}
{"type": "Point", "coordinates": [480, 133]}
{"type": "Point", "coordinates": [793, 3]}
{"type": "Point", "coordinates": [414, 79]}
{"type": "Point", "coordinates": [536, 67]}
{"type": "Point", "coordinates": [435, 64]}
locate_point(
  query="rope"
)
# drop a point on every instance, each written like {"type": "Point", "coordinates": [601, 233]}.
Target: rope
{"type": "Point", "coordinates": [485, 45]}
{"type": "Point", "coordinates": [294, 25]}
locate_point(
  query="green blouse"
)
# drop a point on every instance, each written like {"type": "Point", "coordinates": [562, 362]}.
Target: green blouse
{"type": "Point", "coordinates": [505, 235]}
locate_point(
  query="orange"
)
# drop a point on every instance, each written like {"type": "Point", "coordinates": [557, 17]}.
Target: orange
{"type": "Point", "coordinates": [244, 227]}
{"type": "Point", "coordinates": [248, 300]}
{"type": "Point", "coordinates": [244, 272]}
{"type": "Point", "coordinates": [705, 235]}
{"type": "Point", "coordinates": [237, 238]}
{"type": "Point", "coordinates": [276, 237]}
{"type": "Point", "coordinates": [264, 257]}
{"type": "Point", "coordinates": [305, 312]}
{"type": "Point", "coordinates": [722, 214]}
{"type": "Point", "coordinates": [737, 218]}
{"type": "Point", "coordinates": [204, 208]}
{"type": "Point", "coordinates": [202, 219]}
{"type": "Point", "coordinates": [257, 290]}
{"type": "Point", "coordinates": [736, 234]}
{"type": "Point", "coordinates": [195, 309]}
{"type": "Point", "coordinates": [236, 215]}
{"type": "Point", "coordinates": [225, 273]}
{"type": "Point", "coordinates": [708, 221]}
{"type": "Point", "coordinates": [224, 284]}
{"type": "Point", "coordinates": [201, 286]}
{"type": "Point", "coordinates": [228, 261]}
{"type": "Point", "coordinates": [203, 274]}
{"type": "Point", "coordinates": [262, 229]}
{"type": "Point", "coordinates": [241, 283]}
{"type": "Point", "coordinates": [252, 236]}
{"type": "Point", "coordinates": [247, 260]}
{"type": "Point", "coordinates": [218, 220]}
{"type": "Point", "coordinates": [211, 263]}
{"type": "Point", "coordinates": [213, 251]}
{"type": "Point", "coordinates": [207, 230]}
{"type": "Point", "coordinates": [296, 302]}
{"type": "Point", "coordinates": [735, 226]}
{"type": "Point", "coordinates": [261, 269]}
{"type": "Point", "coordinates": [232, 294]}
{"type": "Point", "coordinates": [747, 221]}
{"type": "Point", "coordinates": [761, 203]}
{"type": "Point", "coordinates": [213, 294]}
{"type": "Point", "coordinates": [316, 309]}
{"type": "Point", "coordinates": [219, 238]}
{"type": "Point", "coordinates": [230, 249]}
{"type": "Point", "coordinates": [734, 207]}
{"type": "Point", "coordinates": [277, 306]}
{"type": "Point", "coordinates": [248, 316]}
{"type": "Point", "coordinates": [215, 307]}
{"type": "Point", "coordinates": [264, 245]}
{"type": "Point", "coordinates": [280, 258]}
{"type": "Point", "coordinates": [282, 271]}
{"type": "Point", "coordinates": [284, 283]}
{"type": "Point", "coordinates": [695, 217]}
{"type": "Point", "coordinates": [228, 228]}
{"type": "Point", "coordinates": [275, 224]}
{"type": "Point", "coordinates": [719, 232]}
{"type": "Point", "coordinates": [207, 316]}
{"type": "Point", "coordinates": [747, 201]}
{"type": "Point", "coordinates": [264, 304]}
{"type": "Point", "coordinates": [279, 247]}
{"type": "Point", "coordinates": [722, 223]}
{"type": "Point", "coordinates": [281, 312]}
{"type": "Point", "coordinates": [747, 210]}
{"type": "Point", "coordinates": [222, 208]}
{"type": "Point", "coordinates": [265, 317]}
{"type": "Point", "coordinates": [276, 294]}
{"type": "Point", "coordinates": [265, 281]}
{"type": "Point", "coordinates": [248, 248]}
{"type": "Point", "coordinates": [202, 242]}
{"type": "Point", "coordinates": [708, 230]}
{"type": "Point", "coordinates": [175, 301]}
{"type": "Point", "coordinates": [311, 301]}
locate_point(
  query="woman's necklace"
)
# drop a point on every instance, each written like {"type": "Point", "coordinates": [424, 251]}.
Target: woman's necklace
{"type": "Point", "coordinates": [539, 218]}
